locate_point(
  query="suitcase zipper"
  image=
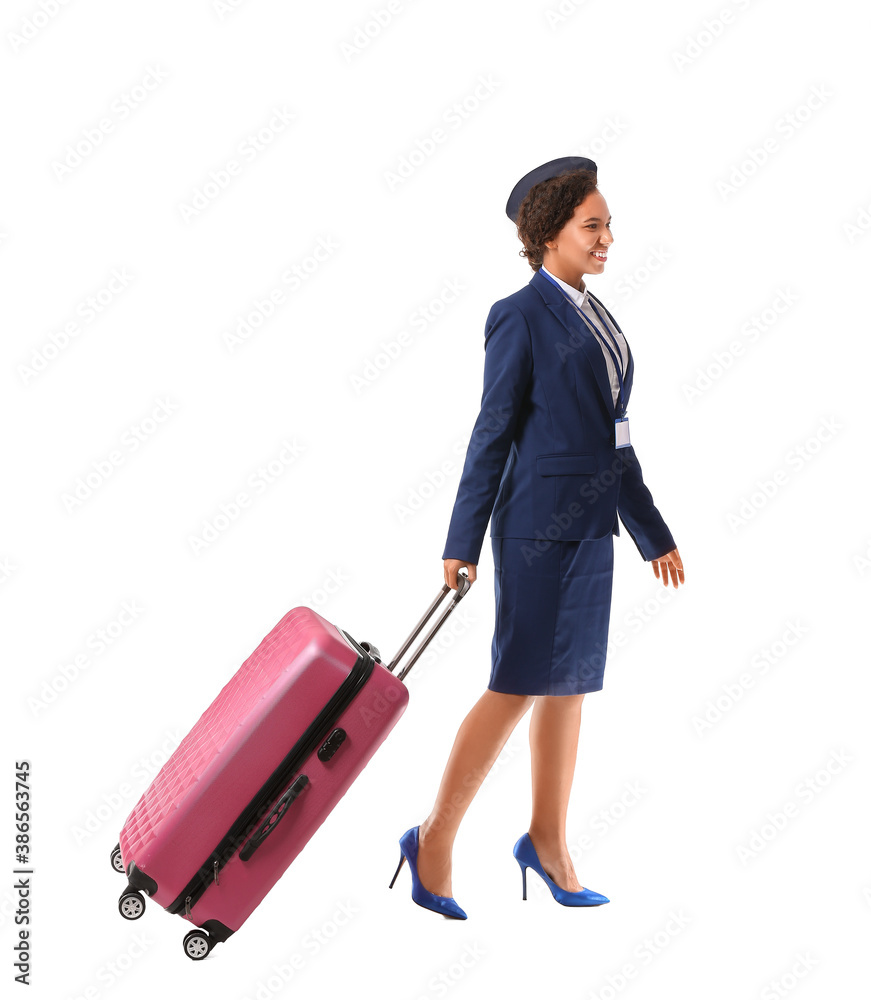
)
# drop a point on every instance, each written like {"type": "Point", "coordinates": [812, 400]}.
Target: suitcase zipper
{"type": "Point", "coordinates": [244, 826]}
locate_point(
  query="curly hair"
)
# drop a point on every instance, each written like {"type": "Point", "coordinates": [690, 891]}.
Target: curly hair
{"type": "Point", "coordinates": [547, 207]}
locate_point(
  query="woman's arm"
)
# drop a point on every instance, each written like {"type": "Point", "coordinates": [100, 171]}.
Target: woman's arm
{"type": "Point", "coordinates": [507, 369]}
{"type": "Point", "coordinates": [638, 512]}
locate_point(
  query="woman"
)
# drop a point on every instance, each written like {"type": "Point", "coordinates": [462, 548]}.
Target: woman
{"type": "Point", "coordinates": [550, 458]}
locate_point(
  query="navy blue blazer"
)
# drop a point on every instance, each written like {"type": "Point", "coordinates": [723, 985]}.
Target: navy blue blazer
{"type": "Point", "coordinates": [541, 458]}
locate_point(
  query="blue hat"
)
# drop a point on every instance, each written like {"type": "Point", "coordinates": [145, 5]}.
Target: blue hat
{"type": "Point", "coordinates": [553, 168]}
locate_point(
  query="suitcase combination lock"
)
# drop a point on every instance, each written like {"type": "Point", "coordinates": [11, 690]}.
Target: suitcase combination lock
{"type": "Point", "coordinates": [332, 744]}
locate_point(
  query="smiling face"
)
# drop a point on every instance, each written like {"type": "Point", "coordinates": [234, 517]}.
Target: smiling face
{"type": "Point", "coordinates": [581, 246]}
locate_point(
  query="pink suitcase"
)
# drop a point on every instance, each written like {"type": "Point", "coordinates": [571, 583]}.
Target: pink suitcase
{"type": "Point", "coordinates": [260, 771]}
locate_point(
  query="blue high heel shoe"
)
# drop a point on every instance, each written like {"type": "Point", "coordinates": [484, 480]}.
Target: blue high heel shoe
{"type": "Point", "coordinates": [446, 905]}
{"type": "Point", "coordinates": [527, 857]}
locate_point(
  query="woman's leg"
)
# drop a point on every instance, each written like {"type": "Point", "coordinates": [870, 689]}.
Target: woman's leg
{"type": "Point", "coordinates": [478, 743]}
{"type": "Point", "coordinates": [553, 741]}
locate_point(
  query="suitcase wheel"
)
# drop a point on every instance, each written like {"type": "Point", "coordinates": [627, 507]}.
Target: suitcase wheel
{"type": "Point", "coordinates": [117, 863]}
{"type": "Point", "coordinates": [197, 944]}
{"type": "Point", "coordinates": [131, 905]}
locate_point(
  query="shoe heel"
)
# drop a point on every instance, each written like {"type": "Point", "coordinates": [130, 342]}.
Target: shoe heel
{"type": "Point", "coordinates": [523, 873]}
{"type": "Point", "coordinates": [401, 859]}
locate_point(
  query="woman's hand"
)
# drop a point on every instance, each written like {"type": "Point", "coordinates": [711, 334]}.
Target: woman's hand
{"type": "Point", "coordinates": [669, 563]}
{"type": "Point", "coordinates": [452, 566]}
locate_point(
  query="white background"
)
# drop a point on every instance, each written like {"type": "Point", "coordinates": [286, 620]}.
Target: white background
{"type": "Point", "coordinates": [753, 826]}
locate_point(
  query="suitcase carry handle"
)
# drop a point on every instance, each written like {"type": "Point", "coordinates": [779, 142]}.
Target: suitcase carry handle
{"type": "Point", "coordinates": [463, 584]}
{"type": "Point", "coordinates": [273, 819]}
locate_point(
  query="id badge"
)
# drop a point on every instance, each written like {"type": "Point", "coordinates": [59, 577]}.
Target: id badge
{"type": "Point", "coordinates": [621, 432]}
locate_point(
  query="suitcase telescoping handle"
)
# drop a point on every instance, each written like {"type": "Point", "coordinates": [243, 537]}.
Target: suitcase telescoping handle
{"type": "Point", "coordinates": [463, 584]}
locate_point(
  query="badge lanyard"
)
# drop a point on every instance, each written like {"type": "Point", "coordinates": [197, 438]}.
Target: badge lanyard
{"type": "Point", "coordinates": [621, 423]}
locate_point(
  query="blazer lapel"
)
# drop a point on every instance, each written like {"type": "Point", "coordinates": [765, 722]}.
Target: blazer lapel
{"type": "Point", "coordinates": [576, 326]}
{"type": "Point", "coordinates": [630, 367]}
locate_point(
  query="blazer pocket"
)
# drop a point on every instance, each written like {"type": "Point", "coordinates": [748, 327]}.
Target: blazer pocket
{"type": "Point", "coordinates": [566, 464]}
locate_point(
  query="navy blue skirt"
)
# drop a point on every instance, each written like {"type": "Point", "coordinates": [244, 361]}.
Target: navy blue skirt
{"type": "Point", "coordinates": [552, 614]}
